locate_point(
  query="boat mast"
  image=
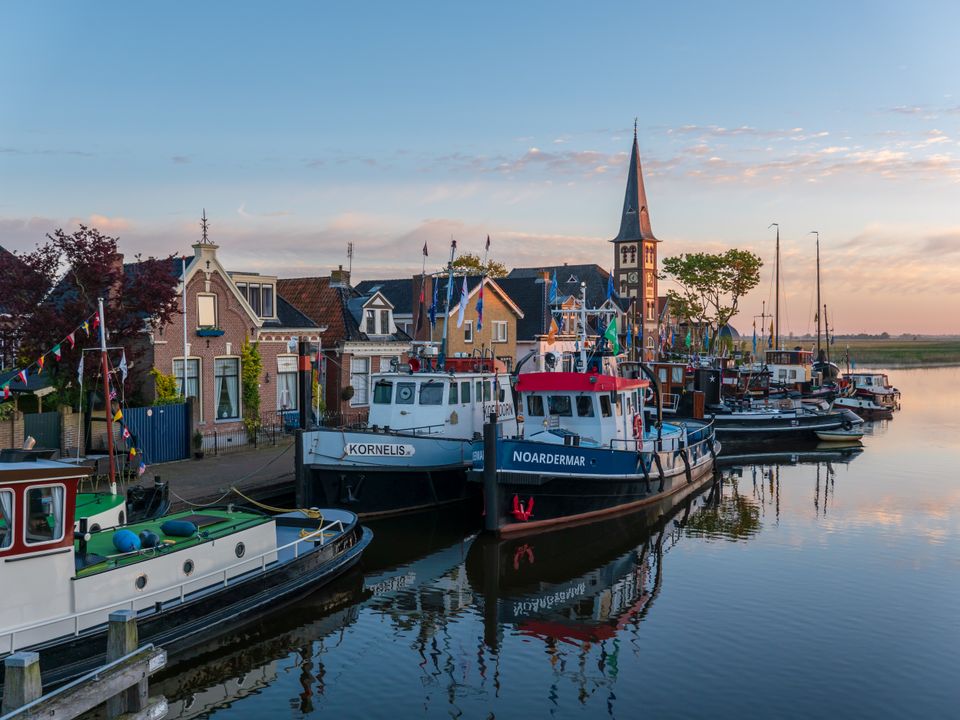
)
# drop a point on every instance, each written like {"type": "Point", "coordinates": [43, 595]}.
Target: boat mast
{"type": "Point", "coordinates": [107, 403]}
{"type": "Point", "coordinates": [446, 311]}
{"type": "Point", "coordinates": [819, 349]}
{"type": "Point", "coordinates": [826, 325]}
{"type": "Point", "coordinates": [776, 311]}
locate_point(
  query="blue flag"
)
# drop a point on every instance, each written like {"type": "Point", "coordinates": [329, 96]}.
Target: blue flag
{"type": "Point", "coordinates": [554, 288]}
{"type": "Point", "coordinates": [609, 286]}
{"type": "Point", "coordinates": [433, 307]}
{"type": "Point", "coordinates": [480, 303]}
{"type": "Point", "coordinates": [754, 338]}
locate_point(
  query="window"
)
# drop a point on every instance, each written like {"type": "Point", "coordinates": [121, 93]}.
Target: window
{"type": "Point", "coordinates": [465, 391]}
{"type": "Point", "coordinates": [405, 393]}
{"type": "Point", "coordinates": [206, 311]}
{"type": "Point", "coordinates": [619, 399]}
{"type": "Point", "coordinates": [360, 381]}
{"type": "Point", "coordinates": [384, 322]}
{"type": "Point", "coordinates": [486, 391]}
{"type": "Point", "coordinates": [500, 331]}
{"type": "Point", "coordinates": [287, 382]}
{"type": "Point", "coordinates": [677, 374]}
{"type": "Point", "coordinates": [268, 301]}
{"type": "Point", "coordinates": [431, 393]}
{"type": "Point", "coordinates": [226, 387]}
{"type": "Point", "coordinates": [479, 394]}
{"type": "Point", "coordinates": [561, 405]}
{"type": "Point", "coordinates": [605, 405]}
{"type": "Point", "coordinates": [662, 375]}
{"type": "Point", "coordinates": [193, 377]}
{"type": "Point", "coordinates": [584, 406]}
{"type": "Point", "coordinates": [253, 296]}
{"type": "Point", "coordinates": [6, 519]}
{"type": "Point", "coordinates": [382, 392]}
{"type": "Point", "coordinates": [371, 322]}
{"type": "Point", "coordinates": [453, 399]}
{"type": "Point", "coordinates": [386, 362]}
{"type": "Point", "coordinates": [44, 513]}
{"type": "Point", "coordinates": [535, 405]}
{"type": "Point", "coordinates": [468, 331]}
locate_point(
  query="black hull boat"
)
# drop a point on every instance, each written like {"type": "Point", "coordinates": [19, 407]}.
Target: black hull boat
{"type": "Point", "coordinates": [177, 626]}
{"type": "Point", "coordinates": [773, 424]}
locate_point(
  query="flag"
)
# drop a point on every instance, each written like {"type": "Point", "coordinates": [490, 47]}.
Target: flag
{"type": "Point", "coordinates": [142, 469]}
{"type": "Point", "coordinates": [630, 337]}
{"type": "Point", "coordinates": [754, 337]}
{"type": "Point", "coordinates": [433, 307]}
{"type": "Point", "coordinates": [611, 335]}
{"type": "Point", "coordinates": [609, 286]}
{"type": "Point", "coordinates": [419, 307]}
{"type": "Point", "coordinates": [554, 288]}
{"type": "Point", "coordinates": [23, 376]}
{"type": "Point", "coordinates": [123, 366]}
{"type": "Point", "coordinates": [56, 351]}
{"type": "Point", "coordinates": [6, 391]}
{"type": "Point", "coordinates": [133, 452]}
{"type": "Point", "coordinates": [673, 337]}
{"type": "Point", "coordinates": [480, 304]}
{"type": "Point", "coordinates": [40, 361]}
{"type": "Point", "coordinates": [488, 244]}
{"type": "Point", "coordinates": [770, 339]}
{"type": "Point", "coordinates": [70, 340]}
{"type": "Point", "coordinates": [80, 370]}
{"type": "Point", "coordinates": [552, 332]}
{"type": "Point", "coordinates": [113, 394]}
{"type": "Point", "coordinates": [118, 416]}
{"type": "Point", "coordinates": [706, 338]}
{"type": "Point", "coordinates": [463, 302]}
{"type": "Point", "coordinates": [688, 339]}
{"type": "Point", "coordinates": [86, 327]}
{"type": "Point", "coordinates": [425, 253]}
{"type": "Point", "coordinates": [125, 434]}
{"type": "Point", "coordinates": [96, 321]}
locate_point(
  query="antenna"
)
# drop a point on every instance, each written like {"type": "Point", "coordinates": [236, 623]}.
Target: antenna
{"type": "Point", "coordinates": [350, 257]}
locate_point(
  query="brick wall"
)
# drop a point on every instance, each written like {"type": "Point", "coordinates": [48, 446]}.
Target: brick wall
{"type": "Point", "coordinates": [11, 431]}
{"type": "Point", "coordinates": [71, 431]}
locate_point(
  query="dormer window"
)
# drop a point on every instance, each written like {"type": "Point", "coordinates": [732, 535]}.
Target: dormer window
{"type": "Point", "coordinates": [260, 295]}
{"type": "Point", "coordinates": [377, 316]}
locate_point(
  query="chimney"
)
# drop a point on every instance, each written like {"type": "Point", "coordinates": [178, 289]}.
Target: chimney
{"type": "Point", "coordinates": [340, 278]}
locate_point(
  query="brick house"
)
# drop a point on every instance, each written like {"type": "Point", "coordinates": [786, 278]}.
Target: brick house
{"type": "Point", "coordinates": [359, 337]}
{"type": "Point", "coordinates": [223, 310]}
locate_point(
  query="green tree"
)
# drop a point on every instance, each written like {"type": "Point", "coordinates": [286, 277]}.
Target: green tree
{"type": "Point", "coordinates": [165, 388]}
{"type": "Point", "coordinates": [471, 264]}
{"type": "Point", "coordinates": [251, 367]}
{"type": "Point", "coordinates": [711, 286]}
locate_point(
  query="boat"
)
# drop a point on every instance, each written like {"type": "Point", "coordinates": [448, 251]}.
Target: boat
{"type": "Point", "coordinates": [840, 435]}
{"type": "Point", "coordinates": [865, 407]}
{"type": "Point", "coordinates": [413, 451]}
{"type": "Point", "coordinates": [183, 575]}
{"type": "Point", "coordinates": [876, 387]}
{"type": "Point", "coordinates": [586, 448]}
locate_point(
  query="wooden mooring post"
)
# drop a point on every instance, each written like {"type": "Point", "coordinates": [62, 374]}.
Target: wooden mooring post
{"type": "Point", "coordinates": [123, 683]}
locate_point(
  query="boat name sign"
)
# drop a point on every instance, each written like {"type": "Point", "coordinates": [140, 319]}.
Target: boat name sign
{"type": "Point", "coordinates": [548, 458]}
{"type": "Point", "coordinates": [379, 449]}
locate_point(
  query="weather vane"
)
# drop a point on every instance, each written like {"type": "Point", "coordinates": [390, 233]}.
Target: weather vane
{"type": "Point", "coordinates": [204, 226]}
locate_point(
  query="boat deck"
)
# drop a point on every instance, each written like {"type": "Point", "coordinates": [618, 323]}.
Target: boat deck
{"type": "Point", "coordinates": [213, 524]}
{"type": "Point", "coordinates": [94, 503]}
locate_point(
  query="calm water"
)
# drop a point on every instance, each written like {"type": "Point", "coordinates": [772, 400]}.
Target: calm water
{"type": "Point", "coordinates": [806, 585]}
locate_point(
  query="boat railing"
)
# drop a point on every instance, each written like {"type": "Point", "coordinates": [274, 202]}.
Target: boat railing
{"type": "Point", "coordinates": [216, 577]}
{"type": "Point", "coordinates": [670, 401]}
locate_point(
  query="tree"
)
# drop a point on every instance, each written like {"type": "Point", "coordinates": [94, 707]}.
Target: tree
{"type": "Point", "coordinates": [50, 291]}
{"type": "Point", "coordinates": [471, 264]}
{"type": "Point", "coordinates": [711, 286]}
{"type": "Point", "coordinates": [251, 366]}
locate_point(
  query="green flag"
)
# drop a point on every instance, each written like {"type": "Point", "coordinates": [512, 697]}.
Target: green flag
{"type": "Point", "coordinates": [688, 340]}
{"type": "Point", "coordinates": [611, 335]}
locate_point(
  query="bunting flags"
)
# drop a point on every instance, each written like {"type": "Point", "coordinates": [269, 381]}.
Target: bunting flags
{"type": "Point", "coordinates": [123, 366]}
{"type": "Point", "coordinates": [71, 341]}
{"type": "Point", "coordinates": [86, 327]}
{"type": "Point", "coordinates": [118, 416]}
{"type": "Point", "coordinates": [40, 361]}
{"type": "Point", "coordinates": [552, 332]}
{"type": "Point", "coordinates": [96, 321]}
{"type": "Point", "coordinates": [142, 469]}
{"type": "Point", "coordinates": [56, 351]}
{"type": "Point", "coordinates": [688, 339]}
{"type": "Point", "coordinates": [133, 452]}
{"type": "Point", "coordinates": [6, 391]}
{"type": "Point", "coordinates": [23, 376]}
{"type": "Point", "coordinates": [125, 434]}
{"type": "Point", "coordinates": [611, 335]}
{"type": "Point", "coordinates": [463, 302]}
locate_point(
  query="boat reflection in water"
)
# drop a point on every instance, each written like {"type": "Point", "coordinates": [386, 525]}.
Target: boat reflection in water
{"type": "Point", "coordinates": [580, 585]}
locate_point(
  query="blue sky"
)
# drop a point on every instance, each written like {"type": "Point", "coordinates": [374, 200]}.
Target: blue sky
{"type": "Point", "coordinates": [302, 126]}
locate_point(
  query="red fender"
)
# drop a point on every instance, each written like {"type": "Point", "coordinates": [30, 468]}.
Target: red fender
{"type": "Point", "coordinates": [519, 511]}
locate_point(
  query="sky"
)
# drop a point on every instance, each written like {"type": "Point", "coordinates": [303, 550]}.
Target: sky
{"type": "Point", "coordinates": [300, 127]}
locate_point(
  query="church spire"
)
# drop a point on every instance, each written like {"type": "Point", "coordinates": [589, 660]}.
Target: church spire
{"type": "Point", "coordinates": [635, 220]}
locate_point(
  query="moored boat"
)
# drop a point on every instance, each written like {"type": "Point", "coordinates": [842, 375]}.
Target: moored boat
{"type": "Point", "coordinates": [840, 435]}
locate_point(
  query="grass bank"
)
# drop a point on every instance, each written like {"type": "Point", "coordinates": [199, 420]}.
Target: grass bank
{"type": "Point", "coordinates": [900, 352]}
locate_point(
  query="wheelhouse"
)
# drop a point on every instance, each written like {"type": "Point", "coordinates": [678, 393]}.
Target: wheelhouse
{"type": "Point", "coordinates": [789, 367]}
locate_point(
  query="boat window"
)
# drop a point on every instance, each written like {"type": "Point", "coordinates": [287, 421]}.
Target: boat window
{"type": "Point", "coordinates": [405, 393]}
{"type": "Point", "coordinates": [677, 374]}
{"type": "Point", "coordinates": [383, 392]}
{"type": "Point", "coordinates": [479, 388]}
{"type": "Point", "coordinates": [6, 519]}
{"type": "Point", "coordinates": [535, 405]}
{"type": "Point", "coordinates": [560, 405]}
{"type": "Point", "coordinates": [502, 395]}
{"type": "Point", "coordinates": [662, 374]}
{"type": "Point", "coordinates": [585, 406]}
{"type": "Point", "coordinates": [793, 373]}
{"type": "Point", "coordinates": [605, 406]}
{"type": "Point", "coordinates": [453, 399]}
{"type": "Point", "coordinates": [431, 393]}
{"type": "Point", "coordinates": [486, 391]}
{"type": "Point", "coordinates": [44, 514]}
{"type": "Point", "coordinates": [465, 391]}
{"type": "Point", "coordinates": [782, 374]}
{"type": "Point", "coordinates": [619, 400]}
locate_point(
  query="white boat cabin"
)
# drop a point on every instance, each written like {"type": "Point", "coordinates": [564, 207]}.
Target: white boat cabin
{"type": "Point", "coordinates": [590, 409]}
{"type": "Point", "coordinates": [789, 367]}
{"type": "Point", "coordinates": [454, 404]}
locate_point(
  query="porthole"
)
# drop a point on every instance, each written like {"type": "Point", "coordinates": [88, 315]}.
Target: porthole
{"type": "Point", "coordinates": [94, 528]}
{"type": "Point", "coordinates": [188, 567]}
{"type": "Point", "coordinates": [240, 549]}
{"type": "Point", "coordinates": [141, 582]}
{"type": "Point", "coordinates": [121, 518]}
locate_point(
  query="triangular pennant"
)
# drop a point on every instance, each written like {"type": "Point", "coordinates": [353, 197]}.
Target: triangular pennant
{"type": "Point", "coordinates": [133, 451]}
{"type": "Point", "coordinates": [86, 327]}
{"type": "Point", "coordinates": [6, 391]}
{"type": "Point", "coordinates": [96, 321]}
{"type": "Point", "coordinates": [126, 434]}
{"type": "Point", "coordinates": [118, 417]}
{"type": "Point", "coordinates": [71, 341]}
{"type": "Point", "coordinates": [40, 361]}
{"type": "Point", "coordinates": [142, 469]}
{"type": "Point", "coordinates": [56, 351]}
{"type": "Point", "coordinates": [23, 376]}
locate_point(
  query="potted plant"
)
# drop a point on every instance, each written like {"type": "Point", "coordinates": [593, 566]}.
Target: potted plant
{"type": "Point", "coordinates": [197, 445]}
{"type": "Point", "coordinates": [347, 393]}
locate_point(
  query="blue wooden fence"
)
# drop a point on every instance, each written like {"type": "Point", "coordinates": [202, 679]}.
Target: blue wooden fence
{"type": "Point", "coordinates": [160, 432]}
{"type": "Point", "coordinates": [44, 428]}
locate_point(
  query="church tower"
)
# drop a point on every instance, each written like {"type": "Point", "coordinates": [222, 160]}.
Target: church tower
{"type": "Point", "coordinates": [635, 258]}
